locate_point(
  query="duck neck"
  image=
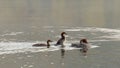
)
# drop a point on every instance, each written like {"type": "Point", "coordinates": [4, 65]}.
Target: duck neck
{"type": "Point", "coordinates": [62, 35]}
{"type": "Point", "coordinates": [48, 44]}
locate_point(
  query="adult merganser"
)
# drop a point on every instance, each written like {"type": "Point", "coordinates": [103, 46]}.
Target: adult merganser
{"type": "Point", "coordinates": [61, 40]}
{"type": "Point", "coordinates": [83, 45]}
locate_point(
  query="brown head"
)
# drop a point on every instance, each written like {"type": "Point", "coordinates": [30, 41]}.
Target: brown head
{"type": "Point", "coordinates": [83, 40]}
{"type": "Point", "coordinates": [48, 45]}
{"type": "Point", "coordinates": [49, 41]}
{"type": "Point", "coordinates": [63, 33]}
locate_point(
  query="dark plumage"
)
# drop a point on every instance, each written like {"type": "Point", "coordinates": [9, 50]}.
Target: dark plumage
{"type": "Point", "coordinates": [62, 39]}
{"type": "Point", "coordinates": [41, 45]}
{"type": "Point", "coordinates": [82, 44]}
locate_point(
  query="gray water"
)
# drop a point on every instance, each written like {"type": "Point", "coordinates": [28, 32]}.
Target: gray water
{"type": "Point", "coordinates": [26, 22]}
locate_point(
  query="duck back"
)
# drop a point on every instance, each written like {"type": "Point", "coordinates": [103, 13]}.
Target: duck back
{"type": "Point", "coordinates": [38, 45]}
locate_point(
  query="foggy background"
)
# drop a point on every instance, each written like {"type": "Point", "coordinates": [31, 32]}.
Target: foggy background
{"type": "Point", "coordinates": [23, 14]}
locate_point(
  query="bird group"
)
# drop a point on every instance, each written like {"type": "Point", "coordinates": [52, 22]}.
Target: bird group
{"type": "Point", "coordinates": [83, 43]}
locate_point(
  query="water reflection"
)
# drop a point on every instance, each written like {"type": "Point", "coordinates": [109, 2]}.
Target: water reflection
{"type": "Point", "coordinates": [84, 52]}
{"type": "Point", "coordinates": [62, 56]}
{"type": "Point", "coordinates": [62, 52]}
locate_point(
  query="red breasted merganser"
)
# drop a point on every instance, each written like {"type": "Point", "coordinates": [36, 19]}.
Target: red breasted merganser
{"type": "Point", "coordinates": [83, 44]}
{"type": "Point", "coordinates": [41, 45]}
{"type": "Point", "coordinates": [62, 39]}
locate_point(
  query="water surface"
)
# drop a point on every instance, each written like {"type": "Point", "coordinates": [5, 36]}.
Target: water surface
{"type": "Point", "coordinates": [26, 22]}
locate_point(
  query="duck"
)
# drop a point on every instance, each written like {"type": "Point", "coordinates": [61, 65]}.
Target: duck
{"type": "Point", "coordinates": [62, 39]}
{"type": "Point", "coordinates": [84, 46]}
{"type": "Point", "coordinates": [41, 45]}
{"type": "Point", "coordinates": [83, 43]}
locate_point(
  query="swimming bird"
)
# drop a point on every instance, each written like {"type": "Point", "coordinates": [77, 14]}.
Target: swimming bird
{"type": "Point", "coordinates": [41, 45]}
{"type": "Point", "coordinates": [83, 45]}
{"type": "Point", "coordinates": [61, 40]}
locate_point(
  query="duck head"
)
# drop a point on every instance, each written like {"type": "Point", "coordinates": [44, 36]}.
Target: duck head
{"type": "Point", "coordinates": [49, 41]}
{"type": "Point", "coordinates": [83, 41]}
{"type": "Point", "coordinates": [63, 33]}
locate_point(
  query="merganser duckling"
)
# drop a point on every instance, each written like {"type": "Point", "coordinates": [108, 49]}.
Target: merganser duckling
{"type": "Point", "coordinates": [40, 45]}
{"type": "Point", "coordinates": [61, 40]}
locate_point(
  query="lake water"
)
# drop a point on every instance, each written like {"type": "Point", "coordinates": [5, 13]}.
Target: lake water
{"type": "Point", "coordinates": [26, 22]}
